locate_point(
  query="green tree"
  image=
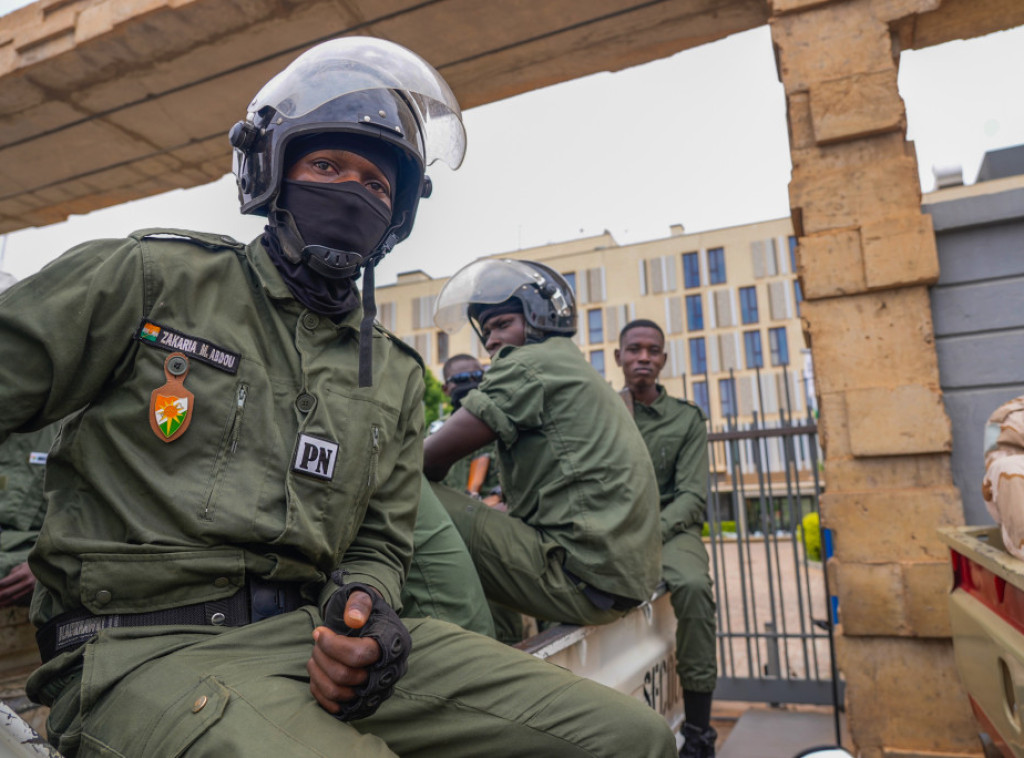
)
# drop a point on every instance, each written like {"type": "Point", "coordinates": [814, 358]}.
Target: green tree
{"type": "Point", "coordinates": [434, 399]}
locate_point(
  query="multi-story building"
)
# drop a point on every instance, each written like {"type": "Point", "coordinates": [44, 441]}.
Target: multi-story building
{"type": "Point", "coordinates": [728, 300]}
{"type": "Point", "coordinates": [729, 303]}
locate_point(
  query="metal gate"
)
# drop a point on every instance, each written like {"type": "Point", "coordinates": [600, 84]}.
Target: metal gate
{"type": "Point", "coordinates": [775, 611]}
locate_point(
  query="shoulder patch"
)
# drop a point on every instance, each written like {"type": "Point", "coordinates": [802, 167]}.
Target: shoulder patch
{"type": "Point", "coordinates": [691, 404]}
{"type": "Point", "coordinates": [204, 239]}
{"type": "Point", "coordinates": [401, 344]}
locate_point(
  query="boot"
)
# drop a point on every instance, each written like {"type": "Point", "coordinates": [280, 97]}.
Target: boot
{"type": "Point", "coordinates": [699, 743]}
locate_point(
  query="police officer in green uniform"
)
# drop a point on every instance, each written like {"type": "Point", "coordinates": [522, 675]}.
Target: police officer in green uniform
{"type": "Point", "coordinates": [676, 437]}
{"type": "Point", "coordinates": [22, 508]}
{"type": "Point", "coordinates": [579, 542]}
{"type": "Point", "coordinates": [462, 373]}
{"type": "Point", "coordinates": [233, 493]}
{"type": "Point", "coordinates": [22, 504]}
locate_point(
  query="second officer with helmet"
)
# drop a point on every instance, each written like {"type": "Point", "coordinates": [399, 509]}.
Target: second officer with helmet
{"type": "Point", "coordinates": [580, 542]}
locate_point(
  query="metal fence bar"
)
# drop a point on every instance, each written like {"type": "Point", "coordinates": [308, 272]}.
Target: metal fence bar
{"type": "Point", "coordinates": [767, 472]}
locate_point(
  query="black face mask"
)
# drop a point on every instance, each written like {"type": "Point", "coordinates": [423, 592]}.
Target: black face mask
{"type": "Point", "coordinates": [343, 216]}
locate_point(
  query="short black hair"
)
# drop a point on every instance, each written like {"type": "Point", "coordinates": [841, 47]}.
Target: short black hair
{"type": "Point", "coordinates": [638, 322]}
{"type": "Point", "coordinates": [458, 357]}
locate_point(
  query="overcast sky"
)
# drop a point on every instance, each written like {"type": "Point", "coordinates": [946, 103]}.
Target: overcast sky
{"type": "Point", "coordinates": [697, 139]}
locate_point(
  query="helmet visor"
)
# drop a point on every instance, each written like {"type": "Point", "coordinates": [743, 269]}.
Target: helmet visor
{"type": "Point", "coordinates": [356, 64]}
{"type": "Point", "coordinates": [485, 282]}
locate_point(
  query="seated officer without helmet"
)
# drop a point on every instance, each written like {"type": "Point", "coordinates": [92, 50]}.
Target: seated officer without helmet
{"type": "Point", "coordinates": [233, 493]}
{"type": "Point", "coordinates": [580, 542]}
{"type": "Point", "coordinates": [677, 439]}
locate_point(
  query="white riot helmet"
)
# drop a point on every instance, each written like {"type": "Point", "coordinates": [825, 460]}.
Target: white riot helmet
{"type": "Point", "coordinates": [355, 85]}
{"type": "Point", "coordinates": [487, 287]}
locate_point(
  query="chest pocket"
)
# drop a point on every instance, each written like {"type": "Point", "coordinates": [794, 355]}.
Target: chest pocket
{"type": "Point", "coordinates": [664, 455]}
{"type": "Point", "coordinates": [363, 432]}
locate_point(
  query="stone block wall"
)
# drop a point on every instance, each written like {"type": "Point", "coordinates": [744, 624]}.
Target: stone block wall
{"type": "Point", "coordinates": [866, 255]}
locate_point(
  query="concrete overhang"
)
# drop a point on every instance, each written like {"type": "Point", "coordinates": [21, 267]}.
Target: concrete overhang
{"type": "Point", "coordinates": [105, 101]}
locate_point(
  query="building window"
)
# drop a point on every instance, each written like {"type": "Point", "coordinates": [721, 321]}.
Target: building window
{"type": "Point", "coordinates": [716, 265]}
{"type": "Point", "coordinates": [691, 270]}
{"type": "Point", "coordinates": [748, 305]}
{"type": "Point", "coordinates": [673, 315]}
{"type": "Point", "coordinates": [779, 346]}
{"type": "Point", "coordinates": [595, 326]}
{"type": "Point", "coordinates": [700, 396]}
{"type": "Point", "coordinates": [798, 294]}
{"type": "Point", "coordinates": [752, 346]}
{"type": "Point", "coordinates": [694, 313]}
{"type": "Point", "coordinates": [442, 347]}
{"type": "Point", "coordinates": [727, 396]}
{"type": "Point", "coordinates": [792, 254]}
{"type": "Point", "coordinates": [571, 279]}
{"type": "Point", "coordinates": [597, 360]}
{"type": "Point", "coordinates": [698, 356]}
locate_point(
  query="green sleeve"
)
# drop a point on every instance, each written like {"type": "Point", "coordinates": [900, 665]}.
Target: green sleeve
{"type": "Point", "coordinates": [510, 398]}
{"type": "Point", "coordinates": [688, 505]}
{"type": "Point", "coordinates": [70, 325]}
{"type": "Point", "coordinates": [381, 552]}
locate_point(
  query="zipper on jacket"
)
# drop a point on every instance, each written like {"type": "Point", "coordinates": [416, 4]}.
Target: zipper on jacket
{"type": "Point", "coordinates": [236, 425]}
{"type": "Point", "coordinates": [371, 476]}
{"type": "Point", "coordinates": [223, 458]}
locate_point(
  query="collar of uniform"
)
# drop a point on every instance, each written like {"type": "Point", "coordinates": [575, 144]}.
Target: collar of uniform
{"type": "Point", "coordinates": [658, 406]}
{"type": "Point", "coordinates": [265, 269]}
{"type": "Point", "coordinates": [275, 286]}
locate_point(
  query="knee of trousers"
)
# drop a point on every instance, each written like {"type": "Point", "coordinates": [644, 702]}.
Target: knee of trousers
{"type": "Point", "coordinates": [693, 598]}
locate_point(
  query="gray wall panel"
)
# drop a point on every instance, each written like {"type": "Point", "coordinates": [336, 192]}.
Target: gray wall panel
{"type": "Point", "coordinates": [969, 255]}
{"type": "Point", "coordinates": [996, 304]}
{"type": "Point", "coordinates": [978, 316]}
{"type": "Point", "coordinates": [981, 360]}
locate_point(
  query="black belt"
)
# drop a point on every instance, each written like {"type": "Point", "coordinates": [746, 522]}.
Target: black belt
{"type": "Point", "coordinates": [259, 599]}
{"type": "Point", "coordinates": [603, 600]}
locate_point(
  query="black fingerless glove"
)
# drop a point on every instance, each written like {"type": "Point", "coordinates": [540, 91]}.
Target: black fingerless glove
{"type": "Point", "coordinates": [387, 630]}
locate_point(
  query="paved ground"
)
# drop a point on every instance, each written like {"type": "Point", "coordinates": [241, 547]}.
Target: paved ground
{"type": "Point", "coordinates": [764, 585]}
{"type": "Point", "coordinates": [762, 732]}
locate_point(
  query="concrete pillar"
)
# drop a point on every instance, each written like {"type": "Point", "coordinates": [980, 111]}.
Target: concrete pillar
{"type": "Point", "coordinates": [866, 256]}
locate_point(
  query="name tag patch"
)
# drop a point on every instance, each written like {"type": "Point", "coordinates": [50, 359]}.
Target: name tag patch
{"type": "Point", "coordinates": [315, 456]}
{"type": "Point", "coordinates": [39, 459]}
{"type": "Point", "coordinates": [151, 333]}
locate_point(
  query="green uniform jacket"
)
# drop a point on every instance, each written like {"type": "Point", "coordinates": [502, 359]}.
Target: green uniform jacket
{"type": "Point", "coordinates": [22, 505]}
{"type": "Point", "coordinates": [287, 469]}
{"type": "Point", "coordinates": [573, 464]}
{"type": "Point", "coordinates": [677, 439]}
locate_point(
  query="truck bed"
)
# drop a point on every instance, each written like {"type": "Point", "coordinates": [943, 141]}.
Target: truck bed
{"type": "Point", "coordinates": [986, 609]}
{"type": "Point", "coordinates": [634, 655]}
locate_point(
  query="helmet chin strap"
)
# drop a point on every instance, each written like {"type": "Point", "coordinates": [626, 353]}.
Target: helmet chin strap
{"type": "Point", "coordinates": [370, 309]}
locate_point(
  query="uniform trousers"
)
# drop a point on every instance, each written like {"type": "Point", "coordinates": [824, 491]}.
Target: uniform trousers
{"type": "Point", "coordinates": [207, 692]}
{"type": "Point", "coordinates": [685, 570]}
{"type": "Point", "coordinates": [519, 567]}
{"type": "Point", "coordinates": [442, 582]}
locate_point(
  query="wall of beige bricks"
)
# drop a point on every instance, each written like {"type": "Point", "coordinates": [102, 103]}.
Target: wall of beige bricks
{"type": "Point", "coordinates": [866, 256]}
